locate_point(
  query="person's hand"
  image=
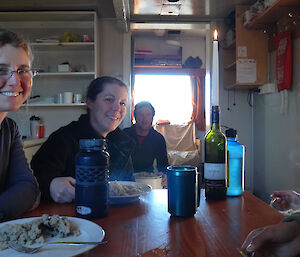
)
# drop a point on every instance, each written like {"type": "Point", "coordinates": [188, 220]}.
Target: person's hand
{"type": "Point", "coordinates": [62, 189]}
{"type": "Point", "coordinates": [286, 199]}
{"type": "Point", "coordinates": [280, 240]}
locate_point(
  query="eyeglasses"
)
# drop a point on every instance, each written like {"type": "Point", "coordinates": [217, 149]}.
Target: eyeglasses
{"type": "Point", "coordinates": [5, 74]}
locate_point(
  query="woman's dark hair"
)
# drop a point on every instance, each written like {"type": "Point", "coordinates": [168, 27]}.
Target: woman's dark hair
{"type": "Point", "coordinates": [143, 104]}
{"type": "Point", "coordinates": [97, 86]}
{"type": "Point", "coordinates": [10, 38]}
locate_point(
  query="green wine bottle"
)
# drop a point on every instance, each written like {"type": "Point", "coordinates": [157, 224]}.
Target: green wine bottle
{"type": "Point", "coordinates": [215, 164]}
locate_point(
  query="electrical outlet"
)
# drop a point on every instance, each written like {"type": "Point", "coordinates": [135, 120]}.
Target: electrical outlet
{"type": "Point", "coordinates": [268, 88]}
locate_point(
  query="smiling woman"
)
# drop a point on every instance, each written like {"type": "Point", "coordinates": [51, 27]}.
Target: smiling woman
{"type": "Point", "coordinates": [16, 180]}
{"type": "Point", "coordinates": [54, 163]}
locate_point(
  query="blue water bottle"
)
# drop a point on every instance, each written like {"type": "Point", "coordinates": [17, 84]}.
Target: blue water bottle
{"type": "Point", "coordinates": [91, 190]}
{"type": "Point", "coordinates": [236, 157]}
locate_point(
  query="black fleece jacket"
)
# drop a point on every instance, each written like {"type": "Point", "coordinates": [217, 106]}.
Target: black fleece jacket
{"type": "Point", "coordinates": [56, 157]}
{"type": "Point", "coordinates": [152, 147]}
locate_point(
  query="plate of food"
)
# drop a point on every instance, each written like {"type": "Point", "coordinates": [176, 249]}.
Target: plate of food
{"type": "Point", "coordinates": [34, 232]}
{"type": "Point", "coordinates": [123, 192]}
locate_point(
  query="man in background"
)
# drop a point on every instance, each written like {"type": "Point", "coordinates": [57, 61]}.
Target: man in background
{"type": "Point", "coordinates": [150, 144]}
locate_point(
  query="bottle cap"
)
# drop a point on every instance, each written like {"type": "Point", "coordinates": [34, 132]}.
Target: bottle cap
{"type": "Point", "coordinates": [91, 143]}
{"type": "Point", "coordinates": [215, 108]}
{"type": "Point", "coordinates": [230, 132]}
{"type": "Point", "coordinates": [34, 117]}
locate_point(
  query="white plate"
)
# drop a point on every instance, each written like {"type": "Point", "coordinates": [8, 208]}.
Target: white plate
{"type": "Point", "coordinates": [125, 199]}
{"type": "Point", "coordinates": [90, 231]}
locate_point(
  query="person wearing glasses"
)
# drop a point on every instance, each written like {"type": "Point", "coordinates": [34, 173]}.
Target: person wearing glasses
{"type": "Point", "coordinates": [19, 190]}
{"type": "Point", "coordinates": [54, 162]}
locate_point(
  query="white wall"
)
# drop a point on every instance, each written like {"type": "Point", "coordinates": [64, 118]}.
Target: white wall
{"type": "Point", "coordinates": [277, 136]}
{"type": "Point", "coordinates": [114, 57]}
{"type": "Point", "coordinates": [111, 49]}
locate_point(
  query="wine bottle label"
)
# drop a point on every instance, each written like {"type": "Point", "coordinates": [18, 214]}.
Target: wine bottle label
{"type": "Point", "coordinates": [214, 171]}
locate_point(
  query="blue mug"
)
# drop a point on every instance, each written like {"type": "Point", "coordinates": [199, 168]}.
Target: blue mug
{"type": "Point", "coordinates": [183, 191]}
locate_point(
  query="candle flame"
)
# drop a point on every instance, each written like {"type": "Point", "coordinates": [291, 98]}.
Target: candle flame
{"type": "Point", "coordinates": [215, 35]}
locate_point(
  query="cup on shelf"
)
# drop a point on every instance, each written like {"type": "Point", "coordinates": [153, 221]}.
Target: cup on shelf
{"type": "Point", "coordinates": [68, 97]}
{"type": "Point", "coordinates": [60, 98]}
{"type": "Point", "coordinates": [77, 98]}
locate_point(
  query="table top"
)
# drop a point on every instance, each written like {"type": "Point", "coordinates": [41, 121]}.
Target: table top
{"type": "Point", "coordinates": [146, 229]}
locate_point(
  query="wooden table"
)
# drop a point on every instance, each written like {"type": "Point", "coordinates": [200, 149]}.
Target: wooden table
{"type": "Point", "coordinates": [146, 229]}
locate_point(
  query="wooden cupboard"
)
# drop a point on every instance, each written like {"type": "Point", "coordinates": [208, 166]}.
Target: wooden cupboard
{"type": "Point", "coordinates": [245, 60]}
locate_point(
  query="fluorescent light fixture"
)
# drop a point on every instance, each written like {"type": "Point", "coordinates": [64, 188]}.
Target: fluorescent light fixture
{"type": "Point", "coordinates": [172, 2]}
{"type": "Point", "coordinates": [168, 26]}
{"type": "Point", "coordinates": [170, 9]}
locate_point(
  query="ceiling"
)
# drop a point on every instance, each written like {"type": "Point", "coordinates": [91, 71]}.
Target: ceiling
{"type": "Point", "coordinates": [142, 15]}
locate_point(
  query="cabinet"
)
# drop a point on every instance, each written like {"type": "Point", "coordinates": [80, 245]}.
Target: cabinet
{"type": "Point", "coordinates": [245, 59]}
{"type": "Point", "coordinates": [44, 31]}
{"type": "Point", "coordinates": [273, 13]}
{"type": "Point", "coordinates": [281, 15]}
{"type": "Point", "coordinates": [56, 37]}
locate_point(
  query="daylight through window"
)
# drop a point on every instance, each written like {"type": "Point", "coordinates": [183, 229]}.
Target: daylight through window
{"type": "Point", "coordinates": [171, 96]}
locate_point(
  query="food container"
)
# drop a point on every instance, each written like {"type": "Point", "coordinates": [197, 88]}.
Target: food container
{"type": "Point", "coordinates": [149, 178]}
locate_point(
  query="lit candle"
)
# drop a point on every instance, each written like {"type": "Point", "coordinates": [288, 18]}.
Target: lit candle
{"type": "Point", "coordinates": [215, 70]}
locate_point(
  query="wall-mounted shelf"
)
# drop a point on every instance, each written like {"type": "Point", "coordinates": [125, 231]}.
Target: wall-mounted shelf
{"type": "Point", "coordinates": [44, 74]}
{"type": "Point", "coordinates": [249, 45]}
{"type": "Point", "coordinates": [273, 13]}
{"type": "Point", "coordinates": [53, 105]}
{"type": "Point", "coordinates": [44, 30]}
{"type": "Point", "coordinates": [63, 46]}
{"type": "Point", "coordinates": [149, 59]}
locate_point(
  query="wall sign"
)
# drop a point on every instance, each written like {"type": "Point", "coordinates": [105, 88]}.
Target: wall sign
{"type": "Point", "coordinates": [283, 60]}
{"type": "Point", "coordinates": [246, 71]}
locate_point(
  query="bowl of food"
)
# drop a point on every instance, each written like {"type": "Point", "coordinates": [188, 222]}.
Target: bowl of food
{"type": "Point", "coordinates": [124, 192]}
{"type": "Point", "coordinates": [149, 178]}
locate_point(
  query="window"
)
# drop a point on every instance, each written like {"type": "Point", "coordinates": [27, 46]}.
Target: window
{"type": "Point", "coordinates": [171, 96]}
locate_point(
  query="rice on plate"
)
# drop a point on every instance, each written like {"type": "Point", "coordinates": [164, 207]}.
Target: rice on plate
{"type": "Point", "coordinates": [37, 231]}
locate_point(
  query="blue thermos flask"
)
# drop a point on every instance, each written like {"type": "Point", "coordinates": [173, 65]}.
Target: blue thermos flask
{"type": "Point", "coordinates": [183, 193]}
{"type": "Point", "coordinates": [235, 169]}
{"type": "Point", "coordinates": [91, 190]}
